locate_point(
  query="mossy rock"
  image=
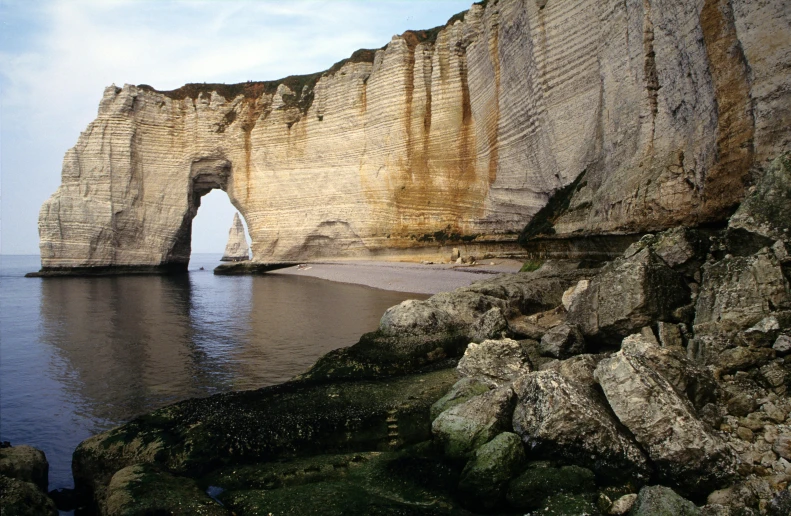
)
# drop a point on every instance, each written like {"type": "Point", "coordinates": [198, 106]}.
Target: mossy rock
{"type": "Point", "coordinates": [397, 483]}
{"type": "Point", "coordinates": [565, 504]}
{"type": "Point", "coordinates": [662, 501]}
{"type": "Point", "coordinates": [463, 390]}
{"type": "Point", "coordinates": [197, 436]}
{"type": "Point", "coordinates": [20, 498]}
{"type": "Point", "coordinates": [537, 483]}
{"type": "Point", "coordinates": [484, 480]}
{"type": "Point", "coordinates": [142, 489]}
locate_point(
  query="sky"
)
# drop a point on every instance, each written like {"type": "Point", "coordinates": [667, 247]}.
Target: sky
{"type": "Point", "coordinates": [57, 56]}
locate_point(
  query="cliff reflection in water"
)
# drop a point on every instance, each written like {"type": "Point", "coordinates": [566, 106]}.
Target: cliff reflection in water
{"type": "Point", "coordinates": [136, 343]}
{"type": "Point", "coordinates": [81, 355]}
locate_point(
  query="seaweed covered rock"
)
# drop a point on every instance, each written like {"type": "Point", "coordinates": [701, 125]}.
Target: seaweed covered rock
{"type": "Point", "coordinates": [662, 501]}
{"type": "Point", "coordinates": [664, 422]}
{"type": "Point", "coordinates": [462, 391]}
{"type": "Point", "coordinates": [463, 428]}
{"type": "Point", "coordinates": [195, 436]}
{"type": "Point", "coordinates": [25, 463]}
{"type": "Point", "coordinates": [484, 481]}
{"type": "Point", "coordinates": [143, 489]}
{"type": "Point", "coordinates": [565, 420]}
{"type": "Point", "coordinates": [494, 362]}
{"type": "Point", "coordinates": [408, 482]}
{"type": "Point", "coordinates": [541, 480]}
{"type": "Point", "coordinates": [627, 295]}
{"type": "Point", "coordinates": [21, 498]}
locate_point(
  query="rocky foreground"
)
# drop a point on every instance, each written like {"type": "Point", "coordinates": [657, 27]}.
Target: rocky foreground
{"type": "Point", "coordinates": [653, 384]}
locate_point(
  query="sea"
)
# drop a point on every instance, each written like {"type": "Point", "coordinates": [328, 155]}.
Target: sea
{"type": "Point", "coordinates": [79, 356]}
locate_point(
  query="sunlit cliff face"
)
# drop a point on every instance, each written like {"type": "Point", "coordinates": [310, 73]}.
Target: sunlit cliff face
{"type": "Point", "coordinates": [456, 136]}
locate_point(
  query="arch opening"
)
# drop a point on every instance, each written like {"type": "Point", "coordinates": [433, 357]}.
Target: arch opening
{"type": "Point", "coordinates": [207, 231]}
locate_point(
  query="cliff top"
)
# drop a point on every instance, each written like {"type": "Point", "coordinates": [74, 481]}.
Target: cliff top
{"type": "Point", "coordinates": [297, 83]}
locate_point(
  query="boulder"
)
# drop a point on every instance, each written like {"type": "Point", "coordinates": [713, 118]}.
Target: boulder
{"type": "Point", "coordinates": [461, 391]}
{"type": "Point", "coordinates": [563, 341]}
{"type": "Point", "coordinates": [484, 480]}
{"type": "Point", "coordinates": [782, 345]}
{"type": "Point", "coordinates": [25, 463]}
{"type": "Point", "coordinates": [494, 362]}
{"type": "Point", "coordinates": [574, 292]}
{"type": "Point", "coordinates": [22, 498]}
{"type": "Point", "coordinates": [736, 293]}
{"type": "Point", "coordinates": [462, 429]}
{"type": "Point", "coordinates": [622, 505]}
{"type": "Point", "coordinates": [578, 369]}
{"type": "Point", "coordinates": [662, 501]}
{"type": "Point", "coordinates": [686, 376]}
{"type": "Point", "coordinates": [763, 333]}
{"type": "Point", "coordinates": [534, 485]}
{"type": "Point", "coordinates": [491, 325]}
{"type": "Point", "coordinates": [562, 419]}
{"type": "Point", "coordinates": [144, 489]}
{"type": "Point", "coordinates": [664, 422]}
{"type": "Point", "coordinates": [765, 210]}
{"type": "Point", "coordinates": [627, 295]}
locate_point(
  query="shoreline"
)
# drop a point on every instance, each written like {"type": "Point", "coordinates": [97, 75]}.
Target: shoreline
{"type": "Point", "coordinates": [416, 278]}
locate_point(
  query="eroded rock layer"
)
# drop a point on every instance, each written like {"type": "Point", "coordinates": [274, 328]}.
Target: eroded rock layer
{"type": "Point", "coordinates": [658, 109]}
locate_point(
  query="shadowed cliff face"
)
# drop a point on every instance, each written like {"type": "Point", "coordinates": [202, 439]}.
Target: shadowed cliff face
{"type": "Point", "coordinates": [463, 133]}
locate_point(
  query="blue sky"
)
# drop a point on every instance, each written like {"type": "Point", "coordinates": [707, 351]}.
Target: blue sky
{"type": "Point", "coordinates": [56, 57]}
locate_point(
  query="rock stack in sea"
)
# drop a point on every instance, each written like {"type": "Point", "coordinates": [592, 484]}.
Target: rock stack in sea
{"type": "Point", "coordinates": [656, 383]}
{"type": "Point", "coordinates": [236, 250]}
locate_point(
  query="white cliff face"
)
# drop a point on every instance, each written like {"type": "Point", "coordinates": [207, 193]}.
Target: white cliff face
{"type": "Point", "coordinates": [236, 250]}
{"type": "Point", "coordinates": [663, 107]}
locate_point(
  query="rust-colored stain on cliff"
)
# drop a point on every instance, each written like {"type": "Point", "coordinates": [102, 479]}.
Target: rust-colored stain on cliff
{"type": "Point", "coordinates": [725, 180]}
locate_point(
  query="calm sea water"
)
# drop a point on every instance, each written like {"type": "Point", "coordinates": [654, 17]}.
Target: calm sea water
{"type": "Point", "coordinates": [81, 355]}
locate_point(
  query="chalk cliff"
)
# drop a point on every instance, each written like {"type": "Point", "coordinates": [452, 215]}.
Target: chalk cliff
{"type": "Point", "coordinates": [653, 113]}
{"type": "Point", "coordinates": [236, 250]}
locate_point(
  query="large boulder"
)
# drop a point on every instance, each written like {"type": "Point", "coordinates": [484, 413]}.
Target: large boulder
{"type": "Point", "coordinates": [736, 293]}
{"type": "Point", "coordinates": [686, 376]}
{"type": "Point", "coordinates": [484, 481]}
{"type": "Point", "coordinates": [630, 293]}
{"type": "Point", "coordinates": [558, 418]}
{"type": "Point", "coordinates": [663, 421]}
{"type": "Point", "coordinates": [563, 341]}
{"type": "Point", "coordinates": [21, 498]}
{"type": "Point", "coordinates": [462, 391]}
{"type": "Point", "coordinates": [765, 210]}
{"type": "Point", "coordinates": [25, 463]}
{"type": "Point", "coordinates": [463, 428]}
{"type": "Point", "coordinates": [494, 362]}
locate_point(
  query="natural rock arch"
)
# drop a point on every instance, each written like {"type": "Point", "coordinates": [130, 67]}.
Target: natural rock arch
{"type": "Point", "coordinates": [206, 174]}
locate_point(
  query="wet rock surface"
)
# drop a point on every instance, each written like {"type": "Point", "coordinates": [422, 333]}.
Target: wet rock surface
{"type": "Point", "coordinates": [23, 481]}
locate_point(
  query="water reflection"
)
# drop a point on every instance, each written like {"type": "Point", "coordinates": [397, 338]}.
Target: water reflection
{"type": "Point", "coordinates": [80, 355]}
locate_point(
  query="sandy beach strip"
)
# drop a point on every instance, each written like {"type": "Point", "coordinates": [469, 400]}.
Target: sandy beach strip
{"type": "Point", "coordinates": [417, 278]}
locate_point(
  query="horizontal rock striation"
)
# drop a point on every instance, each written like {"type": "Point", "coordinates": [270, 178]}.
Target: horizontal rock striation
{"type": "Point", "coordinates": [651, 113]}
